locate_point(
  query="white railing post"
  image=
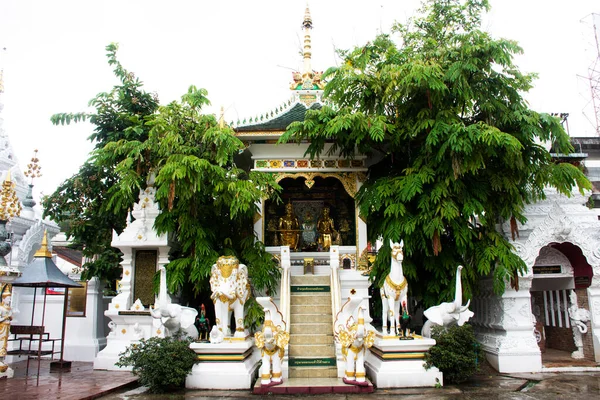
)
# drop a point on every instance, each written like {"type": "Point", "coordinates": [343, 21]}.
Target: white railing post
{"type": "Point", "coordinates": [334, 264]}
{"type": "Point", "coordinates": [284, 291]}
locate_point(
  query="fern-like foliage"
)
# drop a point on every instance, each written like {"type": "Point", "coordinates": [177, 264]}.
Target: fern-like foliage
{"type": "Point", "coordinates": [438, 105]}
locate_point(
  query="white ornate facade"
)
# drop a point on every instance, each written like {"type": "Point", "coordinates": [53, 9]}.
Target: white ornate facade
{"type": "Point", "coordinates": [505, 324]}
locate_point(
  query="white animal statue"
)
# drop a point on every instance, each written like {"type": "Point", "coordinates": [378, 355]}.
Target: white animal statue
{"type": "Point", "coordinates": [169, 317]}
{"type": "Point", "coordinates": [355, 339]}
{"type": "Point", "coordinates": [230, 290]}
{"type": "Point", "coordinates": [216, 336]}
{"type": "Point", "coordinates": [393, 292]}
{"type": "Point", "coordinates": [448, 314]}
{"type": "Point", "coordinates": [578, 317]}
{"type": "Point", "coordinates": [271, 341]}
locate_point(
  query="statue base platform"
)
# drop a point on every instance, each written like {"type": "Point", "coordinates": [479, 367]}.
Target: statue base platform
{"type": "Point", "coordinates": [128, 327]}
{"type": "Point", "coordinates": [395, 363]}
{"type": "Point", "coordinates": [9, 373]}
{"type": "Point", "coordinates": [232, 364]}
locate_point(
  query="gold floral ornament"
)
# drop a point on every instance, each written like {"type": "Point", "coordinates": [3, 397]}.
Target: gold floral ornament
{"type": "Point", "coordinates": [34, 170]}
{"type": "Point", "coordinates": [10, 206]}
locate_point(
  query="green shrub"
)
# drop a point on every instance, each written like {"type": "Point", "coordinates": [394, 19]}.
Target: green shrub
{"type": "Point", "coordinates": [456, 352]}
{"type": "Point", "coordinates": [162, 364]}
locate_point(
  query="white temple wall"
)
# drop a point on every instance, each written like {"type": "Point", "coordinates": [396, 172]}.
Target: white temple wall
{"type": "Point", "coordinates": [84, 336]}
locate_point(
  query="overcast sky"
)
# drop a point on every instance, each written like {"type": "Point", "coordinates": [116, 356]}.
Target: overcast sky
{"type": "Point", "coordinates": [242, 52]}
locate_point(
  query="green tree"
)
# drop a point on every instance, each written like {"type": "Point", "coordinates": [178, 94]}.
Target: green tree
{"type": "Point", "coordinates": [80, 203]}
{"type": "Point", "coordinates": [207, 203]}
{"type": "Point", "coordinates": [438, 104]}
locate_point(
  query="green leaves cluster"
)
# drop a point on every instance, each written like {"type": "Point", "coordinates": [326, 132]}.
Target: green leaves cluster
{"type": "Point", "coordinates": [162, 364]}
{"type": "Point", "coordinates": [456, 352]}
{"type": "Point", "coordinates": [207, 203]}
{"type": "Point", "coordinates": [438, 105]}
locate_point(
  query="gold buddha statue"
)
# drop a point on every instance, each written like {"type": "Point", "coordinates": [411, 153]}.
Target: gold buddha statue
{"type": "Point", "coordinates": [289, 228]}
{"type": "Point", "coordinates": [326, 229]}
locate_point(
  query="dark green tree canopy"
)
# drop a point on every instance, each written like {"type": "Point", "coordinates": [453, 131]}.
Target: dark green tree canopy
{"type": "Point", "coordinates": [438, 104]}
{"type": "Point", "coordinates": [207, 202]}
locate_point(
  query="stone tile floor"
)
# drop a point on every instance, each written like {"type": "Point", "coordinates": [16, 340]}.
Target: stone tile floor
{"type": "Point", "coordinates": [82, 382]}
{"type": "Point", "coordinates": [552, 358]}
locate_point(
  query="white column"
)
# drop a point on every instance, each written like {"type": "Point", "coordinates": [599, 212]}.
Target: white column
{"type": "Point", "coordinates": [504, 327]}
{"type": "Point", "coordinates": [122, 302]}
{"type": "Point", "coordinates": [594, 303]}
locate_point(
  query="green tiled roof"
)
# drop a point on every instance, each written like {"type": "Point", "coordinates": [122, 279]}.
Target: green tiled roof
{"type": "Point", "coordinates": [281, 122]}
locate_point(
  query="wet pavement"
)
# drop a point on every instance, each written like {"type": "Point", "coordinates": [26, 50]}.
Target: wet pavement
{"type": "Point", "coordinates": [85, 383]}
{"type": "Point", "coordinates": [547, 386]}
{"type": "Point", "coordinates": [80, 383]}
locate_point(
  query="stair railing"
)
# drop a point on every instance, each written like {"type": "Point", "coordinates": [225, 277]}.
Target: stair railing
{"type": "Point", "coordinates": [336, 292]}
{"type": "Point", "coordinates": [284, 290]}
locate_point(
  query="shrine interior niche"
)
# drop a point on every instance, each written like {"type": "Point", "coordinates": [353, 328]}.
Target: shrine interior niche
{"type": "Point", "coordinates": [308, 206]}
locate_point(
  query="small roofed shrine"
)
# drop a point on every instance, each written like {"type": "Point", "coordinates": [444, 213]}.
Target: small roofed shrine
{"type": "Point", "coordinates": [318, 207]}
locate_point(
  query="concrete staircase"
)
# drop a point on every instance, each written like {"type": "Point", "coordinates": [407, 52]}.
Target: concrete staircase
{"type": "Point", "coordinates": [311, 347]}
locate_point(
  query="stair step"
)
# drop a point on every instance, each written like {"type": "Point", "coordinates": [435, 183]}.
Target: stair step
{"type": "Point", "coordinates": [312, 372]}
{"type": "Point", "coordinates": [312, 350]}
{"type": "Point", "coordinates": [310, 280]}
{"type": "Point", "coordinates": [312, 328]}
{"type": "Point", "coordinates": [308, 316]}
{"type": "Point", "coordinates": [310, 338]}
{"type": "Point", "coordinates": [313, 309]}
{"type": "Point", "coordinates": [310, 299]}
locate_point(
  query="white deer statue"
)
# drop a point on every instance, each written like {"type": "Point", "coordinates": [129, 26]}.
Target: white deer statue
{"type": "Point", "coordinates": [394, 291]}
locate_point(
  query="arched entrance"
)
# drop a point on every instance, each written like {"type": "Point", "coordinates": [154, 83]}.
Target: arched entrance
{"type": "Point", "coordinates": [309, 196]}
{"type": "Point", "coordinates": [561, 276]}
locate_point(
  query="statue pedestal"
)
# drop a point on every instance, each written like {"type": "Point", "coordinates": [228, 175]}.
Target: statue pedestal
{"type": "Point", "coordinates": [395, 363]}
{"type": "Point", "coordinates": [232, 364]}
{"type": "Point", "coordinates": [9, 373]}
{"type": "Point", "coordinates": [127, 328]}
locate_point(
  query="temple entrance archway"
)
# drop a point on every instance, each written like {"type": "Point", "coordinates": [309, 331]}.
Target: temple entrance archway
{"type": "Point", "coordinates": [561, 276]}
{"type": "Point", "coordinates": [309, 196]}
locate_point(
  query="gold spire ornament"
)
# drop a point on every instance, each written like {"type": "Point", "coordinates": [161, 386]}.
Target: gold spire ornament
{"type": "Point", "coordinates": [307, 79]}
{"type": "Point", "coordinates": [307, 25]}
{"type": "Point", "coordinates": [34, 170]}
{"type": "Point", "coordinates": [10, 206]}
{"type": "Point", "coordinates": [222, 118]}
{"type": "Point", "coordinates": [43, 251]}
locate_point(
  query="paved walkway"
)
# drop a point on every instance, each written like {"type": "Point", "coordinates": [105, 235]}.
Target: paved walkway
{"type": "Point", "coordinates": [82, 382]}
{"type": "Point", "coordinates": [547, 386]}
{"type": "Point", "coordinates": [85, 383]}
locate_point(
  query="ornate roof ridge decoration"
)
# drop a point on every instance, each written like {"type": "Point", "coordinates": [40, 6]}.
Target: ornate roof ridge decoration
{"type": "Point", "coordinates": [267, 116]}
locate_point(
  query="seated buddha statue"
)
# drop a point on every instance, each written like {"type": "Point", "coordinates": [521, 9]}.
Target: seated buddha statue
{"type": "Point", "coordinates": [289, 228]}
{"type": "Point", "coordinates": [326, 229]}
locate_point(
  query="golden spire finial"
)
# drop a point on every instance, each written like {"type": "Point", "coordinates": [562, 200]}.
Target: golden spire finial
{"type": "Point", "coordinates": [43, 251]}
{"type": "Point", "coordinates": [2, 56]}
{"type": "Point", "coordinates": [222, 118]}
{"type": "Point", "coordinates": [307, 24]}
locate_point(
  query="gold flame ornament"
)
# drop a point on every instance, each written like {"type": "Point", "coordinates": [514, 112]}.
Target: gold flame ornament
{"type": "Point", "coordinates": [34, 170]}
{"type": "Point", "coordinates": [10, 206]}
